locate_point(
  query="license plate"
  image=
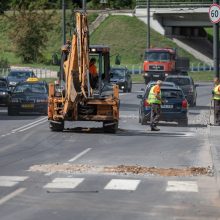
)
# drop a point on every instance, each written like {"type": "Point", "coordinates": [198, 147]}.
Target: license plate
{"type": "Point", "coordinates": [156, 76]}
{"type": "Point", "coordinates": [166, 106]}
{"type": "Point", "coordinates": [27, 106]}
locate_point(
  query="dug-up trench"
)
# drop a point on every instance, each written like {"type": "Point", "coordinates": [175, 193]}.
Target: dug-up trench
{"type": "Point", "coordinates": [122, 169]}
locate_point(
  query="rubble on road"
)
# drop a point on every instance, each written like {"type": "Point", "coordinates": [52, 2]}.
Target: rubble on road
{"type": "Point", "coordinates": [122, 169]}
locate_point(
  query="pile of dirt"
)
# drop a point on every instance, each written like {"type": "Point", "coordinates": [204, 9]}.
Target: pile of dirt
{"type": "Point", "coordinates": [188, 171]}
{"type": "Point", "coordinates": [122, 169]}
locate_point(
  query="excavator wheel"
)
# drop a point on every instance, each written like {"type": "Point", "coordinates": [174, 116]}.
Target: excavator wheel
{"type": "Point", "coordinates": [54, 126]}
{"type": "Point", "coordinates": [110, 126]}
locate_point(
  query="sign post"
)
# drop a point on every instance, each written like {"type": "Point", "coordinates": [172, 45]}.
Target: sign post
{"type": "Point", "coordinates": [214, 15]}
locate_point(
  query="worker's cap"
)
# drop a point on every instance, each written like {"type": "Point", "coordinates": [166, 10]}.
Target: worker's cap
{"type": "Point", "coordinates": [159, 82]}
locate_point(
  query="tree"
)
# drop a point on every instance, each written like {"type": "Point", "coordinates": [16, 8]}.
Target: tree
{"type": "Point", "coordinates": [29, 25]}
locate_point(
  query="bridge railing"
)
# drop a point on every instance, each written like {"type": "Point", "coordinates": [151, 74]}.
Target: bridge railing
{"type": "Point", "coordinates": [174, 3]}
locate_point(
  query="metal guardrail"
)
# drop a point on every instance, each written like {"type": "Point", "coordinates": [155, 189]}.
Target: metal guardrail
{"type": "Point", "coordinates": [174, 3]}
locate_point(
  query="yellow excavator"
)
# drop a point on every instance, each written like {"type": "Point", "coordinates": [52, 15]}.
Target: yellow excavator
{"type": "Point", "coordinates": [74, 99]}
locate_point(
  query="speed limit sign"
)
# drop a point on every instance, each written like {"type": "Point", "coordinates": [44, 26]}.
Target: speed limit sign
{"type": "Point", "coordinates": [214, 13]}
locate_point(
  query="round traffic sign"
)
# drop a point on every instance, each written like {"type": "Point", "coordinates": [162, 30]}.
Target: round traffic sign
{"type": "Point", "coordinates": [214, 13]}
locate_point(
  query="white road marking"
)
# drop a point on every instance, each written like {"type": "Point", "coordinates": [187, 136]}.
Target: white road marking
{"type": "Point", "coordinates": [80, 155]}
{"type": "Point", "coordinates": [64, 183]}
{"type": "Point", "coordinates": [129, 116]}
{"type": "Point", "coordinates": [122, 184]}
{"type": "Point", "coordinates": [28, 125]}
{"type": "Point", "coordinates": [11, 195]}
{"type": "Point", "coordinates": [182, 186]}
{"type": "Point", "coordinates": [9, 181]}
{"type": "Point", "coordinates": [32, 126]}
{"type": "Point", "coordinates": [3, 110]}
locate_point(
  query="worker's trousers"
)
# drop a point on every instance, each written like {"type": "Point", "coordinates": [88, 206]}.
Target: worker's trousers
{"type": "Point", "coordinates": [217, 112]}
{"type": "Point", "coordinates": [155, 115]}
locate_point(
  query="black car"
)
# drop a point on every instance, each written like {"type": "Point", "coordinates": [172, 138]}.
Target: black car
{"type": "Point", "coordinates": [187, 85]}
{"type": "Point", "coordinates": [30, 96]}
{"type": "Point", "coordinates": [174, 108]}
{"type": "Point", "coordinates": [18, 75]}
{"type": "Point", "coordinates": [4, 92]}
{"type": "Point", "coordinates": [121, 77]}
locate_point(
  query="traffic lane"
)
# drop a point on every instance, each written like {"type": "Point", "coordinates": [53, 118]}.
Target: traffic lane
{"type": "Point", "coordinates": [10, 123]}
{"type": "Point", "coordinates": [92, 200]}
{"type": "Point", "coordinates": [132, 144]}
{"type": "Point", "coordinates": [131, 133]}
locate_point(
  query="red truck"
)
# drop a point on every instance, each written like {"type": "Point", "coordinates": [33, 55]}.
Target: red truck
{"type": "Point", "coordinates": [160, 62]}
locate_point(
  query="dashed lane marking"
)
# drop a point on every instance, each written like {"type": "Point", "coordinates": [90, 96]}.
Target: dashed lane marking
{"type": "Point", "coordinates": [122, 184]}
{"type": "Point", "coordinates": [64, 183]}
{"type": "Point", "coordinates": [12, 195]}
{"type": "Point", "coordinates": [182, 186]}
{"type": "Point", "coordinates": [79, 155]}
{"type": "Point", "coordinates": [9, 181]}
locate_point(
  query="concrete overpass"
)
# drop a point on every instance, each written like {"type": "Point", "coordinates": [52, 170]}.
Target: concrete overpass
{"type": "Point", "coordinates": [185, 25]}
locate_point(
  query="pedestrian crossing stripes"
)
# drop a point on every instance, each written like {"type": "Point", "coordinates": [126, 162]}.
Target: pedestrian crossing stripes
{"type": "Point", "coordinates": [9, 181]}
{"type": "Point", "coordinates": [64, 183]}
{"type": "Point", "coordinates": [112, 184]}
{"type": "Point", "coordinates": [182, 186]}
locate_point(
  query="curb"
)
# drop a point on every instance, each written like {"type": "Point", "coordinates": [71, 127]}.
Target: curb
{"type": "Point", "coordinates": [214, 155]}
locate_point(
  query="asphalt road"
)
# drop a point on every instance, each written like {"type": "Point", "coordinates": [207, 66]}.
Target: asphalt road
{"type": "Point", "coordinates": [31, 187]}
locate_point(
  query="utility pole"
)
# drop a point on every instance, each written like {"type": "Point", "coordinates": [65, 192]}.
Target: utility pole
{"type": "Point", "coordinates": [84, 5]}
{"type": "Point", "coordinates": [63, 22]}
{"type": "Point", "coordinates": [148, 23]}
{"type": "Point", "coordinates": [216, 45]}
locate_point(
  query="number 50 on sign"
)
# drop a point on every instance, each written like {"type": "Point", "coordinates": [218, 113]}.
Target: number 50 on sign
{"type": "Point", "coordinates": [214, 13]}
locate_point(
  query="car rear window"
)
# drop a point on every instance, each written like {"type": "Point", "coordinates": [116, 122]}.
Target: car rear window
{"type": "Point", "coordinates": [166, 93]}
{"type": "Point", "coordinates": [179, 81]}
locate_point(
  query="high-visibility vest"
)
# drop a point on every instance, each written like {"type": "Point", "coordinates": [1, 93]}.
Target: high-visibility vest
{"type": "Point", "coordinates": [216, 92]}
{"type": "Point", "coordinates": [152, 99]}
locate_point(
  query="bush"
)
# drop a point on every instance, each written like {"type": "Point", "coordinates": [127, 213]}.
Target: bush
{"type": "Point", "coordinates": [4, 63]}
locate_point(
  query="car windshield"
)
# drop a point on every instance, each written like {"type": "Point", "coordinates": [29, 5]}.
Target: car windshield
{"type": "Point", "coordinates": [3, 84]}
{"type": "Point", "coordinates": [20, 74]}
{"type": "Point", "coordinates": [30, 88]}
{"type": "Point", "coordinates": [157, 56]}
{"type": "Point", "coordinates": [171, 94]}
{"type": "Point", "coordinates": [179, 81]}
{"type": "Point", "coordinates": [117, 73]}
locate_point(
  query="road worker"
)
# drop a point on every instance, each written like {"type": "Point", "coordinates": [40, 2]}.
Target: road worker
{"type": "Point", "coordinates": [93, 73]}
{"type": "Point", "coordinates": [155, 100]}
{"type": "Point", "coordinates": [216, 98]}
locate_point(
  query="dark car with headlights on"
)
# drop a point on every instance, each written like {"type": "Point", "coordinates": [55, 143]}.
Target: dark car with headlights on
{"type": "Point", "coordinates": [186, 83]}
{"type": "Point", "coordinates": [4, 92]}
{"type": "Point", "coordinates": [18, 75]}
{"type": "Point", "coordinates": [121, 77]}
{"type": "Point", "coordinates": [30, 96]}
{"type": "Point", "coordinates": [173, 109]}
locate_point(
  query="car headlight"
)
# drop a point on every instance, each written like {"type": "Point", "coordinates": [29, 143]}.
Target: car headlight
{"type": "Point", "coordinates": [166, 74]}
{"type": "Point", "coordinates": [146, 74]}
{"type": "Point", "coordinates": [12, 83]}
{"type": "Point", "coordinates": [14, 100]}
{"type": "Point", "coordinates": [121, 80]}
{"type": "Point", "coordinates": [3, 93]}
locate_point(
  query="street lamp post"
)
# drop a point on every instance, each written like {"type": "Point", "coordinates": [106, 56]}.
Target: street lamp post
{"type": "Point", "coordinates": [148, 23]}
{"type": "Point", "coordinates": [84, 5]}
{"type": "Point", "coordinates": [63, 22]}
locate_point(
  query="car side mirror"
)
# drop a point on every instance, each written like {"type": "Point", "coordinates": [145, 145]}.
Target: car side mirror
{"type": "Point", "coordinates": [140, 96]}
{"type": "Point", "coordinates": [196, 85]}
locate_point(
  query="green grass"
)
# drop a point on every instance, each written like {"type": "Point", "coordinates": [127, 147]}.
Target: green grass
{"type": "Point", "coordinates": [127, 36]}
